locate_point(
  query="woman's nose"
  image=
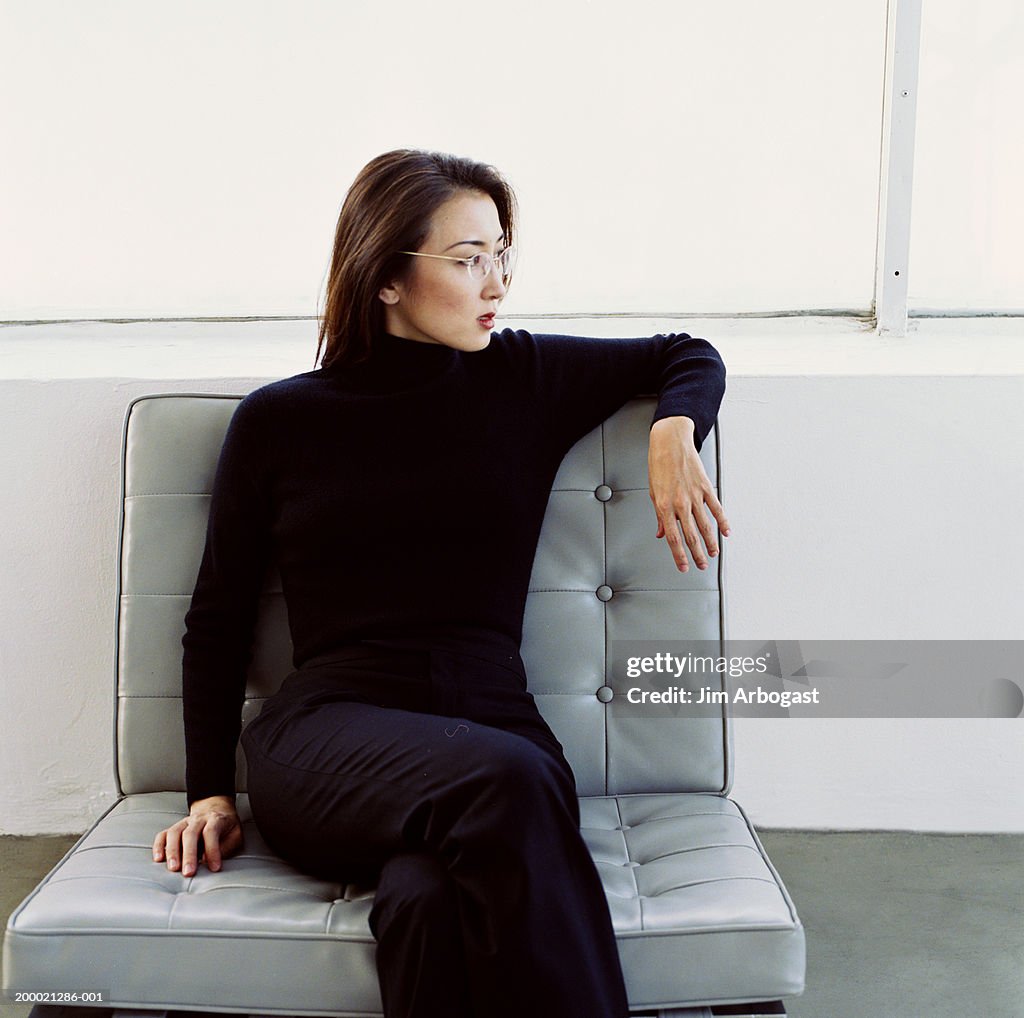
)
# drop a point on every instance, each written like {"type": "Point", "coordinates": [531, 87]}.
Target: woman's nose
{"type": "Point", "coordinates": [494, 286]}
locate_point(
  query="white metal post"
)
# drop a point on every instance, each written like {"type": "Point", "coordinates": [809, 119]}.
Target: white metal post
{"type": "Point", "coordinates": [896, 171]}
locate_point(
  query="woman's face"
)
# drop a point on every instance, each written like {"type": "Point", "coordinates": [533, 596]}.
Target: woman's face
{"type": "Point", "coordinates": [438, 302]}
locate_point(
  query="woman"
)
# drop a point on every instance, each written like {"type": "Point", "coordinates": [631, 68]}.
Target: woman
{"type": "Point", "coordinates": [400, 488]}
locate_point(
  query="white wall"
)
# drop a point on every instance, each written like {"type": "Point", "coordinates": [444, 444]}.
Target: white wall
{"type": "Point", "coordinates": [688, 162]}
{"type": "Point", "coordinates": [189, 159]}
{"type": "Point", "coordinates": [664, 140]}
{"type": "Point", "coordinates": [969, 157]}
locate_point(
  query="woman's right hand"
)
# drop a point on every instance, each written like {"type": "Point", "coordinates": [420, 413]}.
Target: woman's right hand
{"type": "Point", "coordinates": [212, 823]}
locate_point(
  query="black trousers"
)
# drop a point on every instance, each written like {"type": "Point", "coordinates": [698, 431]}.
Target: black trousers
{"type": "Point", "coordinates": [432, 773]}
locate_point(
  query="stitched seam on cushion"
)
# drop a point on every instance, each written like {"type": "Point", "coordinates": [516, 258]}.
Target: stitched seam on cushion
{"type": "Point", "coordinates": [185, 932]}
{"type": "Point", "coordinates": [108, 876]}
{"type": "Point", "coordinates": [151, 812]}
{"type": "Point", "coordinates": [686, 816]}
{"type": "Point", "coordinates": [700, 848]}
{"type": "Point", "coordinates": [665, 590]}
{"type": "Point", "coordinates": [633, 869]}
{"type": "Point", "coordinates": [709, 880]}
{"type": "Point", "coordinates": [174, 905]}
{"type": "Point", "coordinates": [266, 887]}
{"type": "Point", "coordinates": [156, 595]}
{"type": "Point", "coordinates": [118, 844]}
{"type": "Point", "coordinates": [604, 621]}
{"type": "Point", "coordinates": [624, 590]}
{"type": "Point", "coordinates": [561, 590]}
{"type": "Point", "coordinates": [146, 847]}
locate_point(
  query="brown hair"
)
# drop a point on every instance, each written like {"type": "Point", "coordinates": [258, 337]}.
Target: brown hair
{"type": "Point", "coordinates": [388, 208]}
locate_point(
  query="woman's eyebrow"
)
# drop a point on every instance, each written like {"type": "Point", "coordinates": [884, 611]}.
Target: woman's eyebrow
{"type": "Point", "coordinates": [476, 243]}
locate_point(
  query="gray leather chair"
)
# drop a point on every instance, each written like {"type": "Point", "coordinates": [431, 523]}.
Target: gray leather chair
{"type": "Point", "coordinates": [701, 915]}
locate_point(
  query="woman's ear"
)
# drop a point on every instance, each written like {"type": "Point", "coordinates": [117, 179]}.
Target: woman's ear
{"type": "Point", "coordinates": [388, 294]}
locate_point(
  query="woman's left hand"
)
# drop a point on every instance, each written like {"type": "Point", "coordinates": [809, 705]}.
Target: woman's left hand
{"type": "Point", "coordinates": [679, 489]}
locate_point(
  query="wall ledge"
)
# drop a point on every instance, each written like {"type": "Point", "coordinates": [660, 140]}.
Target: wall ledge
{"type": "Point", "coordinates": [757, 347]}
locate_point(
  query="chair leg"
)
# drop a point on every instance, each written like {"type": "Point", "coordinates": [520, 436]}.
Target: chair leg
{"type": "Point", "coordinates": [761, 1009]}
{"type": "Point", "coordinates": [69, 1011]}
{"type": "Point", "coordinates": [683, 1012]}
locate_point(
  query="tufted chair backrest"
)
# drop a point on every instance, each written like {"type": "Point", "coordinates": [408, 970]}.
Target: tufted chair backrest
{"type": "Point", "coordinates": [599, 576]}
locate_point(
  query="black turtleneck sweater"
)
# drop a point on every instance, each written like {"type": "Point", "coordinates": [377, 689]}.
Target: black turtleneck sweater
{"type": "Point", "coordinates": [402, 498]}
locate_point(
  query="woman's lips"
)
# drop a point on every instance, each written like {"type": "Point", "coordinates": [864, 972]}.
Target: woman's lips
{"type": "Point", "coordinates": [487, 320]}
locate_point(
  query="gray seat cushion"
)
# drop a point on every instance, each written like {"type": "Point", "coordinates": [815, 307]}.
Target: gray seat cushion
{"type": "Point", "coordinates": [699, 912]}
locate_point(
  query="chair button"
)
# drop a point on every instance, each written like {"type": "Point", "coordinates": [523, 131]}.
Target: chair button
{"type": "Point", "coordinates": [604, 592]}
{"type": "Point", "coordinates": [605, 693]}
{"type": "Point", "coordinates": [602, 493]}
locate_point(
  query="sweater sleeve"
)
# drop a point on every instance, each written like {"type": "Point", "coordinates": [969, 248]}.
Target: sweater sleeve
{"type": "Point", "coordinates": [220, 622]}
{"type": "Point", "coordinates": [585, 380]}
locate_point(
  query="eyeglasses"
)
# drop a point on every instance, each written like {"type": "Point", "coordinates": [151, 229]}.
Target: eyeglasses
{"type": "Point", "coordinates": [479, 265]}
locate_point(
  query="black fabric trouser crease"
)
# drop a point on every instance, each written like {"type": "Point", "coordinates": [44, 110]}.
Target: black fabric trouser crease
{"type": "Point", "coordinates": [432, 773]}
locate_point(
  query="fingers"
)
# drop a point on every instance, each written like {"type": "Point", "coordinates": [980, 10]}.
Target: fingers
{"type": "Point", "coordinates": [693, 542]}
{"type": "Point", "coordinates": [707, 531]}
{"type": "Point", "coordinates": [177, 844]}
{"type": "Point", "coordinates": [211, 849]}
{"type": "Point", "coordinates": [685, 525]}
{"type": "Point", "coordinates": [671, 534]}
{"type": "Point", "coordinates": [167, 844]}
{"type": "Point", "coordinates": [204, 835]}
{"type": "Point", "coordinates": [717, 511]}
{"type": "Point", "coordinates": [190, 849]}
{"type": "Point", "coordinates": [679, 488]}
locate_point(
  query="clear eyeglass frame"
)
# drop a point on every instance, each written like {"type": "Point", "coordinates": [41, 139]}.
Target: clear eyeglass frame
{"type": "Point", "coordinates": [479, 265]}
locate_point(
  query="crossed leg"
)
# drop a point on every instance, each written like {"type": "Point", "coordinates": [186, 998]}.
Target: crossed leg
{"type": "Point", "coordinates": [473, 829]}
{"type": "Point", "coordinates": [421, 963]}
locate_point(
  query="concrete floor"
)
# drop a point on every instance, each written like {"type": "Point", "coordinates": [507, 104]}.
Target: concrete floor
{"type": "Point", "coordinates": [898, 925]}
